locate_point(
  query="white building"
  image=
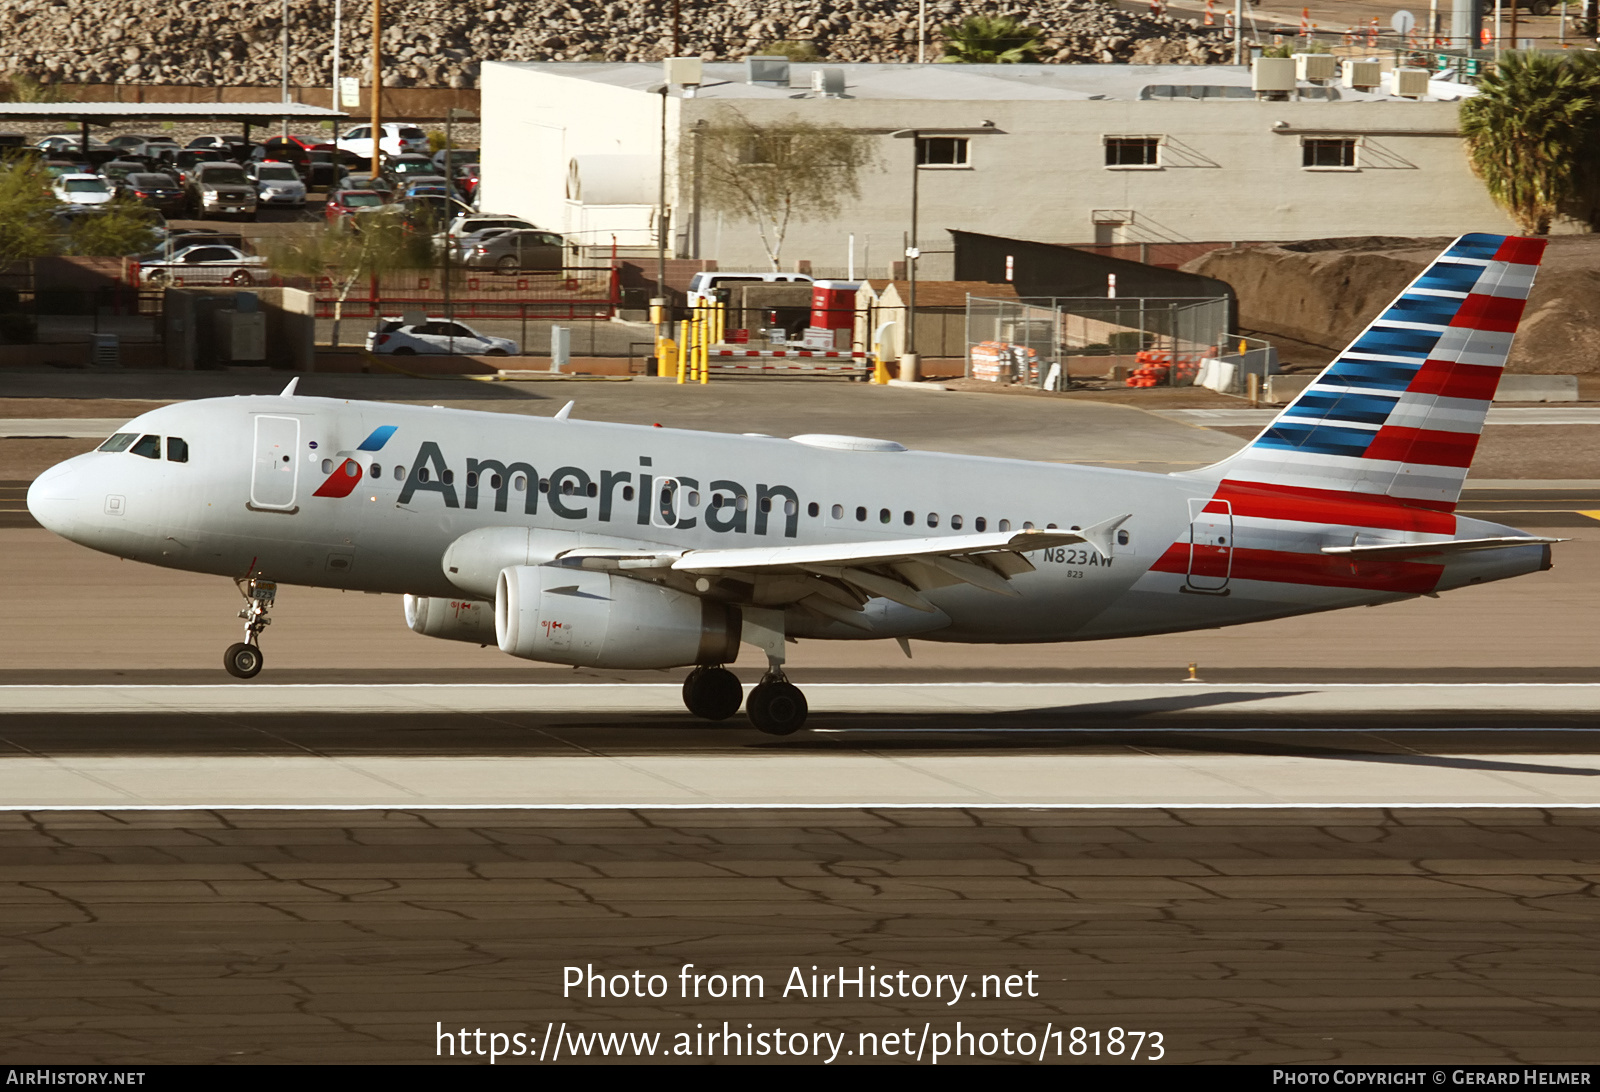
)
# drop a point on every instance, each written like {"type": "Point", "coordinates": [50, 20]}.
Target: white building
{"type": "Point", "coordinates": [1082, 154]}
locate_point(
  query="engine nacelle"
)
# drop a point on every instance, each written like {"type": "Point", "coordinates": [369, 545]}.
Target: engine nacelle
{"type": "Point", "coordinates": [451, 619]}
{"type": "Point", "coordinates": [595, 619]}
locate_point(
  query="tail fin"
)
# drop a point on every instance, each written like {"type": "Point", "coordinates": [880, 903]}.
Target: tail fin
{"type": "Point", "coordinates": [1399, 412]}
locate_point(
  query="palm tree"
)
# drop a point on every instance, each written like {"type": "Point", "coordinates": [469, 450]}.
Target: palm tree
{"type": "Point", "coordinates": [1530, 134]}
{"type": "Point", "coordinates": [991, 39]}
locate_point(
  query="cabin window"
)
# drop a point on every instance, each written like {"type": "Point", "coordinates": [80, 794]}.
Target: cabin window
{"type": "Point", "coordinates": [933, 519]}
{"type": "Point", "coordinates": [790, 508]}
{"type": "Point", "coordinates": [472, 479]}
{"type": "Point", "coordinates": [495, 481]}
{"type": "Point", "coordinates": [377, 471]}
{"type": "Point", "coordinates": [177, 449]}
{"type": "Point", "coordinates": [742, 503]}
{"type": "Point", "coordinates": [694, 498]}
{"type": "Point", "coordinates": [980, 524]}
{"type": "Point", "coordinates": [1052, 527]}
{"type": "Point", "coordinates": [838, 511]}
{"type": "Point", "coordinates": [813, 509]}
{"type": "Point", "coordinates": [627, 494]}
{"type": "Point", "coordinates": [327, 466]}
{"type": "Point", "coordinates": [909, 518]}
{"type": "Point", "coordinates": [1005, 525]}
{"type": "Point", "coordinates": [148, 446]}
{"type": "Point", "coordinates": [1027, 526]}
{"type": "Point", "coordinates": [1122, 538]}
{"type": "Point", "coordinates": [955, 523]}
{"type": "Point", "coordinates": [423, 474]}
{"type": "Point", "coordinates": [544, 485]}
{"type": "Point", "coordinates": [399, 473]}
{"type": "Point", "coordinates": [593, 490]}
{"type": "Point", "coordinates": [519, 483]}
{"type": "Point", "coordinates": [884, 515]}
{"type": "Point", "coordinates": [766, 504]}
{"type": "Point", "coordinates": [861, 515]}
{"type": "Point", "coordinates": [119, 442]}
{"type": "Point", "coordinates": [448, 477]}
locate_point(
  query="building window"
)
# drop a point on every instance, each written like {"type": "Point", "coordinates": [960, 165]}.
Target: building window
{"type": "Point", "coordinates": [1133, 151]}
{"type": "Point", "coordinates": [1322, 153]}
{"type": "Point", "coordinates": [939, 151]}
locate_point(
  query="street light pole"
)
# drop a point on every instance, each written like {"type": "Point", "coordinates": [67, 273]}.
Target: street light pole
{"type": "Point", "coordinates": [338, 25]}
{"type": "Point", "coordinates": [910, 360]}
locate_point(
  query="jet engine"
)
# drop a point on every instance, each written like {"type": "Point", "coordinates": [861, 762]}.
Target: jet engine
{"type": "Point", "coordinates": [451, 619]}
{"type": "Point", "coordinates": [595, 619]}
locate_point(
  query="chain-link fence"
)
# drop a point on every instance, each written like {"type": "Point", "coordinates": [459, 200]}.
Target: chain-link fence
{"type": "Point", "coordinates": [1046, 341]}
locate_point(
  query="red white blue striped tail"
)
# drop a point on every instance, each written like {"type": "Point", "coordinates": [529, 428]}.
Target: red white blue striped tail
{"type": "Point", "coordinates": [1399, 412]}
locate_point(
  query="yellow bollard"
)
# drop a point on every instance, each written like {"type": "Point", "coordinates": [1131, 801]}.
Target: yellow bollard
{"type": "Point", "coordinates": [880, 366]}
{"type": "Point", "coordinates": [683, 354]}
{"type": "Point", "coordinates": [707, 328]}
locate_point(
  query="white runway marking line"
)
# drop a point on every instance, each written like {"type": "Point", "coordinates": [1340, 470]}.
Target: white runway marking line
{"type": "Point", "coordinates": [936, 805]}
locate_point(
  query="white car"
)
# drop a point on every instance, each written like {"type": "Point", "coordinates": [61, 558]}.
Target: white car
{"type": "Point", "coordinates": [208, 263]}
{"type": "Point", "coordinates": [705, 286]}
{"type": "Point", "coordinates": [396, 140]}
{"type": "Point", "coordinates": [436, 335]}
{"type": "Point", "coordinates": [279, 184]}
{"type": "Point", "coordinates": [81, 189]}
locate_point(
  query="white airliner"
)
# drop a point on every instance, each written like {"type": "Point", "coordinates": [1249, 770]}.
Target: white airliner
{"type": "Point", "coordinates": [608, 545]}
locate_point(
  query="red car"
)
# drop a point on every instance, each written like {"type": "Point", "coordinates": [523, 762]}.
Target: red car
{"type": "Point", "coordinates": [343, 203]}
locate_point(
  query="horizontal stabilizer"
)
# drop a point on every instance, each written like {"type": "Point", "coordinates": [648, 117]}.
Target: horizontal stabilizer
{"type": "Point", "coordinates": [1444, 546]}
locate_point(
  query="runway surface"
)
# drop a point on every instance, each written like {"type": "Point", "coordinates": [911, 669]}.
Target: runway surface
{"type": "Point", "coordinates": [1350, 936]}
{"type": "Point", "coordinates": [894, 745]}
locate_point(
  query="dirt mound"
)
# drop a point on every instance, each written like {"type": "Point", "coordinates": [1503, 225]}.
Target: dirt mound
{"type": "Point", "coordinates": [1325, 291]}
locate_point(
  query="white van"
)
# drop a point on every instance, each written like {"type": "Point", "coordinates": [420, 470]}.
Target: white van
{"type": "Point", "coordinates": [705, 286]}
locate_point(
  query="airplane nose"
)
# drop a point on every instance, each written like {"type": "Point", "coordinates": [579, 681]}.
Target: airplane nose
{"type": "Point", "coordinates": [53, 498]}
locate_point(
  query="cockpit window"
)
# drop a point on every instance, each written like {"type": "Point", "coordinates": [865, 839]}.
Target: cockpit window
{"type": "Point", "coordinates": [148, 446]}
{"type": "Point", "coordinates": [119, 442]}
{"type": "Point", "coordinates": [177, 449]}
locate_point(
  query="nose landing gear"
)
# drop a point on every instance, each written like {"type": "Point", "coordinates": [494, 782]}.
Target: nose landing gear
{"type": "Point", "coordinates": [243, 659]}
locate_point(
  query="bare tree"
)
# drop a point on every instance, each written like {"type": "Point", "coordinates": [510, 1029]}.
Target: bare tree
{"type": "Point", "coordinates": [776, 172]}
{"type": "Point", "coordinates": [378, 243]}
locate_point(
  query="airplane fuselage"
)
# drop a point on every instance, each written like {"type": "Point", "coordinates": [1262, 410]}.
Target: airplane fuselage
{"type": "Point", "coordinates": [370, 496]}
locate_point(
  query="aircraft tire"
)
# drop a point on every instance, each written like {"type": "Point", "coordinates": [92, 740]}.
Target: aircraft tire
{"type": "Point", "coordinates": [712, 693]}
{"type": "Point", "coordinates": [243, 661]}
{"type": "Point", "coordinates": [777, 708]}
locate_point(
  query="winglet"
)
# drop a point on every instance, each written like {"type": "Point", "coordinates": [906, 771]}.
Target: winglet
{"type": "Point", "coordinates": [1100, 535]}
{"type": "Point", "coordinates": [565, 411]}
{"type": "Point", "coordinates": [288, 392]}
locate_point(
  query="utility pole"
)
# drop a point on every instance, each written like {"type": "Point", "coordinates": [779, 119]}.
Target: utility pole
{"type": "Point", "coordinates": [285, 63]}
{"type": "Point", "coordinates": [377, 83]}
{"type": "Point", "coordinates": [338, 22]}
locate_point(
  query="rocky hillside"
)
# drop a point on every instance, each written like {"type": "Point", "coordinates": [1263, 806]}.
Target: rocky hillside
{"type": "Point", "coordinates": [1324, 292]}
{"type": "Point", "coordinates": [440, 43]}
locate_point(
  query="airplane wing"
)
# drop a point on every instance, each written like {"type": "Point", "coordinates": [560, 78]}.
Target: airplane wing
{"type": "Point", "coordinates": [836, 580]}
{"type": "Point", "coordinates": [1444, 546]}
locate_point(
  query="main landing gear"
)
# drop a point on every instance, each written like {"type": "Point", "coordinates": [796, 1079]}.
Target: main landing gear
{"type": "Point", "coordinates": [243, 659]}
{"type": "Point", "coordinates": [776, 705]}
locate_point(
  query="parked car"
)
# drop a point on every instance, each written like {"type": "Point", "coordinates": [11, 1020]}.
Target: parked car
{"type": "Point", "coordinates": [466, 243]}
{"type": "Point", "coordinates": [278, 184]}
{"type": "Point", "coordinates": [208, 263]}
{"type": "Point", "coordinates": [154, 190]}
{"type": "Point", "coordinates": [402, 168]}
{"type": "Point", "coordinates": [81, 189]}
{"type": "Point", "coordinates": [343, 203]}
{"type": "Point", "coordinates": [69, 144]}
{"type": "Point", "coordinates": [190, 160]}
{"type": "Point", "coordinates": [130, 142]}
{"type": "Point", "coordinates": [436, 335]}
{"type": "Point", "coordinates": [323, 167]}
{"type": "Point", "coordinates": [456, 157]}
{"type": "Point", "coordinates": [220, 189]}
{"type": "Point", "coordinates": [395, 139]}
{"type": "Point", "coordinates": [114, 171]}
{"type": "Point", "coordinates": [367, 181]}
{"type": "Point", "coordinates": [468, 177]}
{"type": "Point", "coordinates": [706, 286]}
{"type": "Point", "coordinates": [234, 146]}
{"type": "Point", "coordinates": [518, 251]}
{"type": "Point", "coordinates": [470, 222]}
{"type": "Point", "coordinates": [430, 185]}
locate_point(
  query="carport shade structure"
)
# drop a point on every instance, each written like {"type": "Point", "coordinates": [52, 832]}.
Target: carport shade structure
{"type": "Point", "coordinates": [87, 114]}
